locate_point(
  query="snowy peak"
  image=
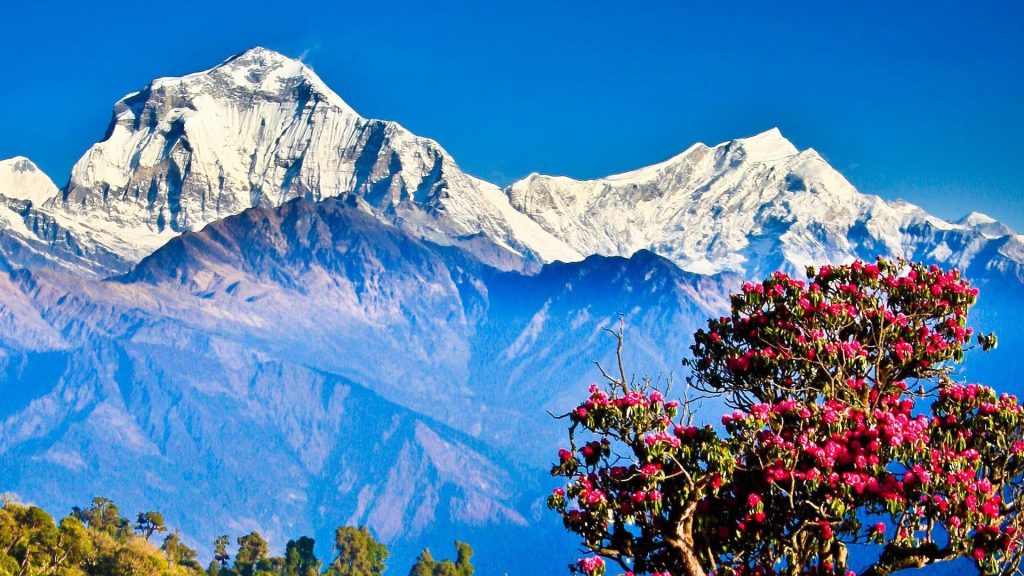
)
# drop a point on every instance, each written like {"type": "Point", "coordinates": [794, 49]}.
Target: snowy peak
{"type": "Point", "coordinates": [187, 151]}
{"type": "Point", "coordinates": [261, 129]}
{"type": "Point", "coordinates": [976, 219]}
{"type": "Point", "coordinates": [767, 146]}
{"type": "Point", "coordinates": [259, 72]}
{"type": "Point", "coordinates": [655, 170]}
{"type": "Point", "coordinates": [986, 225]}
{"type": "Point", "coordinates": [697, 208]}
{"type": "Point", "coordinates": [750, 206]}
{"type": "Point", "coordinates": [21, 179]}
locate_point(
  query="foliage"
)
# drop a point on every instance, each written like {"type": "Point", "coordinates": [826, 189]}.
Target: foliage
{"type": "Point", "coordinates": [252, 555]}
{"type": "Point", "coordinates": [849, 428]}
{"type": "Point", "coordinates": [147, 523]}
{"type": "Point", "coordinates": [462, 566]}
{"type": "Point", "coordinates": [358, 554]}
{"type": "Point", "coordinates": [178, 552]}
{"type": "Point", "coordinates": [97, 541]}
{"type": "Point", "coordinates": [299, 559]}
{"type": "Point", "coordinates": [425, 564]}
{"type": "Point", "coordinates": [220, 550]}
{"type": "Point", "coordinates": [103, 515]}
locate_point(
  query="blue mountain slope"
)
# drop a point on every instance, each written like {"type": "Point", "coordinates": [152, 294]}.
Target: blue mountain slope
{"type": "Point", "coordinates": [291, 369]}
{"type": "Point", "coordinates": [296, 368]}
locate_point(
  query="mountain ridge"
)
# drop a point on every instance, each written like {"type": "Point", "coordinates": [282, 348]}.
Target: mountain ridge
{"type": "Point", "coordinates": [260, 129]}
{"type": "Point", "coordinates": [268, 322]}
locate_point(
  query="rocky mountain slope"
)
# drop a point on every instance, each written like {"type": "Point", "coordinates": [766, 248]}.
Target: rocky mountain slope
{"type": "Point", "coordinates": [22, 185]}
{"type": "Point", "coordinates": [245, 361]}
{"type": "Point", "coordinates": [261, 129]}
{"type": "Point", "coordinates": [251, 351]}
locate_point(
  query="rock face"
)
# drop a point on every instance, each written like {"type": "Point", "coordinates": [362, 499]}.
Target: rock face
{"type": "Point", "coordinates": [290, 369]}
{"type": "Point", "coordinates": [28, 237]}
{"type": "Point", "coordinates": [259, 130]}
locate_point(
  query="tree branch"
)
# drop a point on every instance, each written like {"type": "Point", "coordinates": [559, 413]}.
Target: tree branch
{"type": "Point", "coordinates": [895, 558]}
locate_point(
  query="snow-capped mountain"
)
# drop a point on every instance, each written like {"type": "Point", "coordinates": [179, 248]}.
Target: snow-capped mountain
{"type": "Point", "coordinates": [258, 130]}
{"type": "Point", "coordinates": [21, 179]}
{"type": "Point", "coordinates": [26, 237]}
{"type": "Point", "coordinates": [20, 182]}
{"type": "Point", "coordinates": [749, 206]}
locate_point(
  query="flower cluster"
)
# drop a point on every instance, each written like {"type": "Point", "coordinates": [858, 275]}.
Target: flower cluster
{"type": "Point", "coordinates": [793, 338]}
{"type": "Point", "coordinates": [831, 441]}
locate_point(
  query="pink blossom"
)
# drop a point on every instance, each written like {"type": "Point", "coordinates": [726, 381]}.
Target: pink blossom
{"type": "Point", "coordinates": [903, 350]}
{"type": "Point", "coordinates": [591, 565]}
{"type": "Point", "coordinates": [753, 499]}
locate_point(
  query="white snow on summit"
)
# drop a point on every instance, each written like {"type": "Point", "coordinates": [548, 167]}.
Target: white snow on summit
{"type": "Point", "coordinates": [24, 188]}
{"type": "Point", "coordinates": [20, 178]}
{"type": "Point", "coordinates": [260, 129]}
{"type": "Point", "coordinates": [750, 205]}
{"type": "Point", "coordinates": [21, 181]}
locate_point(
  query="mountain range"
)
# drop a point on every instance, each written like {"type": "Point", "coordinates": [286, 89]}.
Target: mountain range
{"type": "Point", "coordinates": [251, 307]}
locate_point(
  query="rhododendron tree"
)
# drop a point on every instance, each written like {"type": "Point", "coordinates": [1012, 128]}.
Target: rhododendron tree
{"type": "Point", "coordinates": [850, 429]}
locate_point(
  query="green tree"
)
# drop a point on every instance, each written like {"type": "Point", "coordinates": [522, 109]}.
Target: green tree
{"type": "Point", "coordinates": [446, 568]}
{"type": "Point", "coordinates": [10, 536]}
{"type": "Point", "coordinates": [135, 557]}
{"type": "Point", "coordinates": [358, 553]}
{"type": "Point", "coordinates": [74, 543]}
{"type": "Point", "coordinates": [33, 543]}
{"type": "Point", "coordinates": [103, 515]}
{"type": "Point", "coordinates": [271, 566]}
{"type": "Point", "coordinates": [178, 552]}
{"type": "Point", "coordinates": [252, 549]}
{"type": "Point", "coordinates": [149, 522]}
{"type": "Point", "coordinates": [424, 565]}
{"type": "Point", "coordinates": [299, 558]}
{"type": "Point", "coordinates": [464, 555]}
{"type": "Point", "coordinates": [220, 551]}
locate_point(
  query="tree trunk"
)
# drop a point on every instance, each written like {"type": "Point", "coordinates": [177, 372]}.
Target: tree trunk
{"type": "Point", "coordinates": [684, 547]}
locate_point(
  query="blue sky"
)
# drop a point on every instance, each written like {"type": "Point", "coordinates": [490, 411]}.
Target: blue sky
{"type": "Point", "coordinates": [914, 100]}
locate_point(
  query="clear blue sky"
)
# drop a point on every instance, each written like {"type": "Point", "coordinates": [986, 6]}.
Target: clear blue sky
{"type": "Point", "coordinates": [914, 100]}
